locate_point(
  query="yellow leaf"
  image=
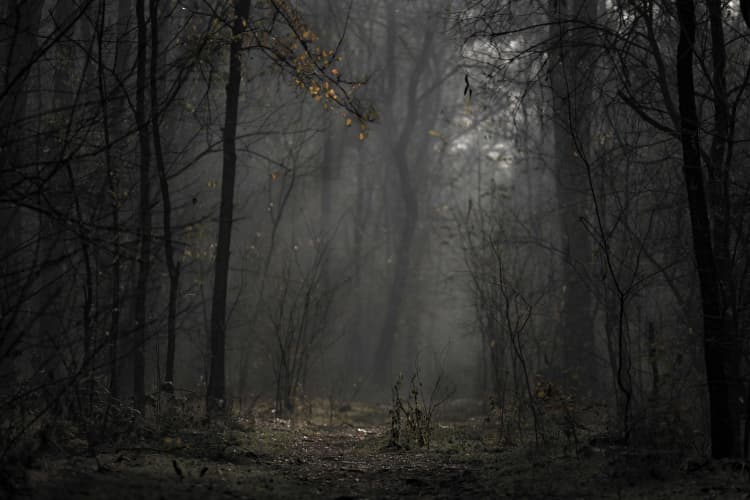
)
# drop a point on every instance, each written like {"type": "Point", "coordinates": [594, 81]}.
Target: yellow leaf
{"type": "Point", "coordinates": [348, 122]}
{"type": "Point", "coordinates": [335, 72]}
{"type": "Point", "coordinates": [361, 136]}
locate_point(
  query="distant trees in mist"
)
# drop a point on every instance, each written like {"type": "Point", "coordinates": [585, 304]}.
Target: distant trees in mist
{"type": "Point", "coordinates": [642, 104]}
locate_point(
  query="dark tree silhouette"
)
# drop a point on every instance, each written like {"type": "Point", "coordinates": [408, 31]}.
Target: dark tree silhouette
{"type": "Point", "coordinates": [217, 384]}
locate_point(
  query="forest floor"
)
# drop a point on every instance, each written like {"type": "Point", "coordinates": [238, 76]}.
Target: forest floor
{"type": "Point", "coordinates": [348, 457]}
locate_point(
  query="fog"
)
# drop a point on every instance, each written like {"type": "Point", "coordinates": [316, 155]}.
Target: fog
{"type": "Point", "coordinates": [345, 266]}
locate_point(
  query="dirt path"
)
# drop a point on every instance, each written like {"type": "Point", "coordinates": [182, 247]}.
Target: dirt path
{"type": "Point", "coordinates": [350, 462]}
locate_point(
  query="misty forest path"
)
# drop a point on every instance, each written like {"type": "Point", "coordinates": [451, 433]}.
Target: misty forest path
{"type": "Point", "coordinates": [344, 461]}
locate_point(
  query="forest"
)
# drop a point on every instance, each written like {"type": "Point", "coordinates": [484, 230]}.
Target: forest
{"type": "Point", "coordinates": [374, 249]}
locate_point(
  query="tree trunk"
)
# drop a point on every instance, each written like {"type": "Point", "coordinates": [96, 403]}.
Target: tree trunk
{"type": "Point", "coordinates": [173, 268]}
{"type": "Point", "coordinates": [216, 386]}
{"type": "Point", "coordinates": [715, 338]}
{"type": "Point", "coordinates": [144, 214]}
{"type": "Point", "coordinates": [383, 362]}
{"type": "Point", "coordinates": [355, 348]}
{"type": "Point", "coordinates": [719, 199]}
{"type": "Point", "coordinates": [331, 154]}
{"type": "Point", "coordinates": [50, 232]}
{"type": "Point", "coordinates": [18, 43]}
{"type": "Point", "coordinates": [572, 99]}
{"type": "Point", "coordinates": [113, 130]}
{"type": "Point", "coordinates": [17, 47]}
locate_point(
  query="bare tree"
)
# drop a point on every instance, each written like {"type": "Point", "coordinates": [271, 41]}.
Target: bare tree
{"type": "Point", "coordinates": [216, 386]}
{"type": "Point", "coordinates": [716, 336]}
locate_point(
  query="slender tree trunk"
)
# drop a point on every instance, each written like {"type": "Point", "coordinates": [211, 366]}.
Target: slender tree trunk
{"type": "Point", "coordinates": [355, 348]}
{"type": "Point", "coordinates": [173, 268]}
{"type": "Point", "coordinates": [383, 362]}
{"type": "Point", "coordinates": [216, 386]}
{"type": "Point", "coordinates": [144, 213]}
{"type": "Point", "coordinates": [384, 353]}
{"type": "Point", "coordinates": [18, 42]}
{"type": "Point", "coordinates": [719, 198]}
{"type": "Point", "coordinates": [17, 47]}
{"type": "Point", "coordinates": [50, 232]}
{"type": "Point", "coordinates": [715, 339]}
{"type": "Point", "coordinates": [326, 178]}
{"type": "Point", "coordinates": [112, 131]}
{"type": "Point", "coordinates": [114, 329]}
{"type": "Point", "coordinates": [745, 9]}
{"type": "Point", "coordinates": [571, 106]}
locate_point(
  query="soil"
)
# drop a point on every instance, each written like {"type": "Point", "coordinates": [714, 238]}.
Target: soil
{"type": "Point", "coordinates": [350, 458]}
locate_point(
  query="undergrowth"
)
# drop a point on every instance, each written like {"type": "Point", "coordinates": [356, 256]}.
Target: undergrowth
{"type": "Point", "coordinates": [412, 416]}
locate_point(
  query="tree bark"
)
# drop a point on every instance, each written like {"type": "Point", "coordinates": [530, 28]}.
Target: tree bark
{"type": "Point", "coordinates": [18, 44]}
{"type": "Point", "coordinates": [383, 362]}
{"type": "Point", "coordinates": [144, 213]}
{"type": "Point", "coordinates": [715, 339]}
{"type": "Point", "coordinates": [570, 68]}
{"type": "Point", "coordinates": [719, 197]}
{"type": "Point", "coordinates": [173, 267]}
{"type": "Point", "coordinates": [217, 379]}
{"type": "Point", "coordinates": [113, 130]}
